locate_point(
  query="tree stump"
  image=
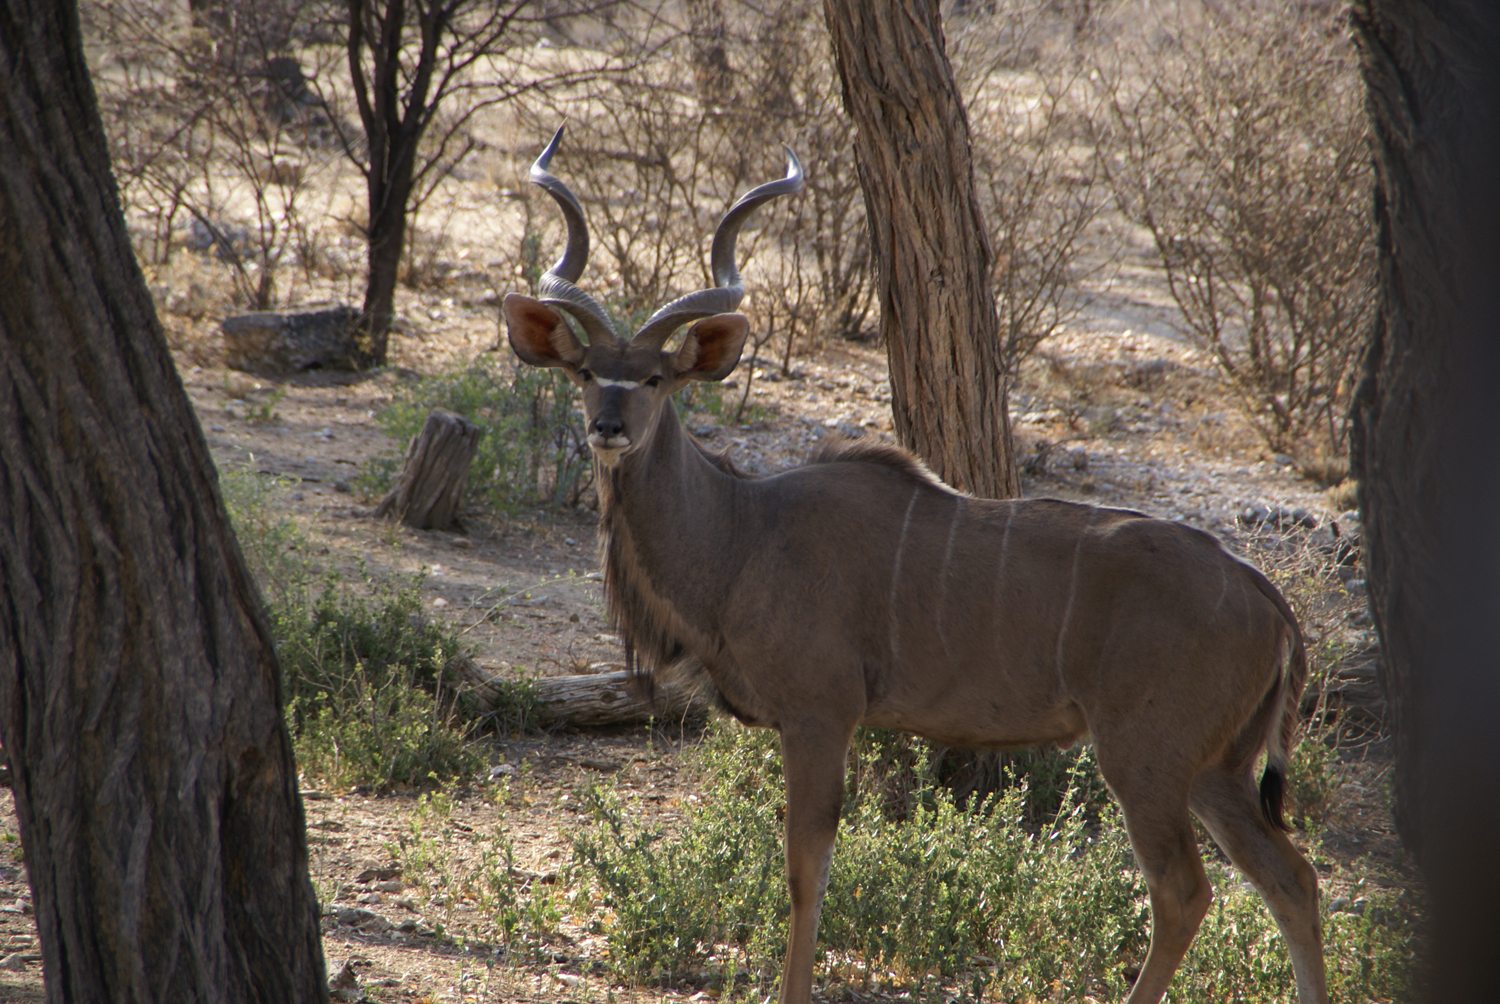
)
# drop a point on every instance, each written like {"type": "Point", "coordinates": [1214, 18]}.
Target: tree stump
{"type": "Point", "coordinates": [431, 485]}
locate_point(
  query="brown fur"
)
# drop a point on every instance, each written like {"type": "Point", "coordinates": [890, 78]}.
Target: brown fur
{"type": "Point", "coordinates": [645, 601]}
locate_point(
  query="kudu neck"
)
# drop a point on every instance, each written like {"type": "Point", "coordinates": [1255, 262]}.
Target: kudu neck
{"type": "Point", "coordinates": [668, 512]}
{"type": "Point", "coordinates": [669, 475]}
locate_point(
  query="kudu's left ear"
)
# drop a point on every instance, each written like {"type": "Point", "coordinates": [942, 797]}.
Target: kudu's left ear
{"type": "Point", "coordinates": [711, 348]}
{"type": "Point", "coordinates": [539, 334]}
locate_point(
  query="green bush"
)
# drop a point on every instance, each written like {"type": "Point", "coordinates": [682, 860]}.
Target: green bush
{"type": "Point", "coordinates": [980, 900]}
{"type": "Point", "coordinates": [363, 682]}
{"type": "Point", "coordinates": [1238, 953]}
{"type": "Point", "coordinates": [898, 767]}
{"type": "Point", "coordinates": [274, 547]}
{"type": "Point", "coordinates": [362, 675]}
{"type": "Point", "coordinates": [532, 450]}
{"type": "Point", "coordinates": [938, 893]}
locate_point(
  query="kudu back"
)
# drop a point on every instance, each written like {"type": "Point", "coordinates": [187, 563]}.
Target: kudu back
{"type": "Point", "coordinates": [861, 590]}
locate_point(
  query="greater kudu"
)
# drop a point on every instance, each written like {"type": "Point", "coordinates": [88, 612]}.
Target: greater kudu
{"type": "Point", "coordinates": [861, 590]}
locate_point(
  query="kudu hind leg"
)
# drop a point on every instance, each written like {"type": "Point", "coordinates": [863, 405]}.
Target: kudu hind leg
{"type": "Point", "coordinates": [812, 761]}
{"type": "Point", "coordinates": [1227, 803]}
{"type": "Point", "coordinates": [1156, 818]}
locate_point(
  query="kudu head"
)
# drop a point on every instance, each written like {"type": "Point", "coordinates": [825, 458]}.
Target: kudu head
{"type": "Point", "coordinates": [625, 383]}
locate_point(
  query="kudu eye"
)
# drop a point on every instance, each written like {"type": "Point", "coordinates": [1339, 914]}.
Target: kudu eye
{"type": "Point", "coordinates": [653, 381]}
{"type": "Point", "coordinates": [585, 375]}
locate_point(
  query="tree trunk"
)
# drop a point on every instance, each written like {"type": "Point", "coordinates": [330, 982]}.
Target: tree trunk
{"type": "Point", "coordinates": [937, 306]}
{"type": "Point", "coordinates": [707, 34]}
{"type": "Point", "coordinates": [430, 487]}
{"type": "Point", "coordinates": [392, 98]}
{"type": "Point", "coordinates": [139, 689]}
{"type": "Point", "coordinates": [1425, 451]}
{"type": "Point", "coordinates": [387, 240]}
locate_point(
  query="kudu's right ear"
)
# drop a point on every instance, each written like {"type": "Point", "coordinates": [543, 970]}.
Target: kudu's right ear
{"type": "Point", "coordinates": [539, 334]}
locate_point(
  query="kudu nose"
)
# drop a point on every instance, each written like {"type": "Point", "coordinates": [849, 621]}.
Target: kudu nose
{"type": "Point", "coordinates": [609, 426]}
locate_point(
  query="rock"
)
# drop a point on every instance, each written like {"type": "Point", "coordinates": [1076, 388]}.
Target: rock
{"type": "Point", "coordinates": [281, 342]}
{"type": "Point", "coordinates": [283, 171]}
{"type": "Point", "coordinates": [15, 962]}
{"type": "Point", "coordinates": [230, 243]}
{"type": "Point", "coordinates": [289, 100]}
{"type": "Point", "coordinates": [1254, 515]}
{"type": "Point", "coordinates": [1348, 530]}
{"type": "Point", "coordinates": [1148, 373]}
{"type": "Point", "coordinates": [1279, 517]}
{"type": "Point", "coordinates": [345, 986]}
{"type": "Point", "coordinates": [356, 917]}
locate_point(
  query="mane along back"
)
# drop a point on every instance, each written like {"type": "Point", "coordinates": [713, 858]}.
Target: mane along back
{"type": "Point", "coordinates": [869, 451]}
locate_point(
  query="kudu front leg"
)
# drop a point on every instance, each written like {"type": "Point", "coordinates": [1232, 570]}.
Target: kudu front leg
{"type": "Point", "coordinates": [812, 760]}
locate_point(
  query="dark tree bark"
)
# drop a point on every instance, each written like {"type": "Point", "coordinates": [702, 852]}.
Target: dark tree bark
{"type": "Point", "coordinates": [139, 690]}
{"type": "Point", "coordinates": [1426, 453]}
{"type": "Point", "coordinates": [937, 308]}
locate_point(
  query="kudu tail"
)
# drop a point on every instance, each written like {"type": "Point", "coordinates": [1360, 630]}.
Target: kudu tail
{"type": "Point", "coordinates": [1281, 729]}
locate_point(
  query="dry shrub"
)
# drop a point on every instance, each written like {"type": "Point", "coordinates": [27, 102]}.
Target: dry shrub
{"type": "Point", "coordinates": [1240, 145]}
{"type": "Point", "coordinates": [822, 284]}
{"type": "Point", "coordinates": [657, 153]}
{"type": "Point", "coordinates": [1035, 173]}
{"type": "Point", "coordinates": [215, 138]}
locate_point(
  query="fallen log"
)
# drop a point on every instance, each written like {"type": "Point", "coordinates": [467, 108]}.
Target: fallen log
{"type": "Point", "coordinates": [589, 700]}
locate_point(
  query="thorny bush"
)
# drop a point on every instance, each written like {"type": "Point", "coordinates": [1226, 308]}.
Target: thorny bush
{"type": "Point", "coordinates": [1241, 147]}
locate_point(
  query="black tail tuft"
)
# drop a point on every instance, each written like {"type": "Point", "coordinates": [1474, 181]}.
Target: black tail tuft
{"type": "Point", "coordinates": [642, 681]}
{"type": "Point", "coordinates": [1273, 795]}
